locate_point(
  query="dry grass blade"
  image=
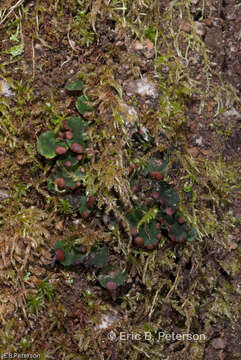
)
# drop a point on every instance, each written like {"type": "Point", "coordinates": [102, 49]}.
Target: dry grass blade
{"type": "Point", "coordinates": [11, 10]}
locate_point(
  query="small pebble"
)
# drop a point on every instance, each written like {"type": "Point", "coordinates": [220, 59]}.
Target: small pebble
{"type": "Point", "coordinates": [106, 219]}
{"type": "Point", "coordinates": [186, 27]}
{"type": "Point", "coordinates": [198, 140]}
{"type": "Point", "coordinates": [3, 194]}
{"type": "Point", "coordinates": [218, 343]}
{"type": "Point", "coordinates": [232, 113]}
{"type": "Point", "coordinates": [138, 45]}
{"type": "Point", "coordinates": [200, 28]}
{"type": "Point", "coordinates": [142, 87]}
{"type": "Point", "coordinates": [221, 355]}
{"type": "Point", "coordinates": [5, 89]}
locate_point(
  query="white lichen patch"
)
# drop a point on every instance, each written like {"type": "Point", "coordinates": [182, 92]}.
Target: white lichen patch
{"type": "Point", "coordinates": [145, 133]}
{"type": "Point", "coordinates": [232, 113]}
{"type": "Point", "coordinates": [3, 194]}
{"type": "Point", "coordinates": [106, 321]}
{"type": "Point", "coordinates": [129, 118]}
{"type": "Point", "coordinates": [128, 113]}
{"type": "Point", "coordinates": [5, 89]}
{"type": "Point", "coordinates": [142, 87]}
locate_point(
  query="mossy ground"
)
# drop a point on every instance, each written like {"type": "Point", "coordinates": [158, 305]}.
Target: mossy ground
{"type": "Point", "coordinates": [191, 288]}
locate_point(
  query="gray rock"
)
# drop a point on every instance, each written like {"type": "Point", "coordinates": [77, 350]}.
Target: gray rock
{"type": "Point", "coordinates": [218, 343]}
{"type": "Point", "coordinates": [142, 87]}
{"type": "Point", "coordinates": [198, 140]}
{"type": "Point", "coordinates": [232, 113]}
{"type": "Point", "coordinates": [106, 321]}
{"type": "Point", "coordinates": [130, 118]}
{"type": "Point", "coordinates": [3, 194]}
{"type": "Point", "coordinates": [5, 89]}
{"type": "Point", "coordinates": [200, 28]}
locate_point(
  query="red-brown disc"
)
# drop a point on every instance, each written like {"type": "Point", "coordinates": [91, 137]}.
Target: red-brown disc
{"type": "Point", "coordinates": [159, 236]}
{"type": "Point", "coordinates": [139, 241]}
{"type": "Point", "coordinates": [60, 182]}
{"type": "Point", "coordinates": [158, 226]}
{"type": "Point", "coordinates": [156, 175]}
{"type": "Point", "coordinates": [91, 202]}
{"type": "Point", "coordinates": [69, 135]}
{"type": "Point", "coordinates": [162, 201]}
{"type": "Point", "coordinates": [134, 231]}
{"type": "Point", "coordinates": [84, 214]}
{"type": "Point", "coordinates": [111, 286]}
{"type": "Point", "coordinates": [173, 237]}
{"type": "Point", "coordinates": [60, 150]}
{"type": "Point", "coordinates": [155, 195]}
{"type": "Point", "coordinates": [77, 148]}
{"type": "Point", "coordinates": [59, 254]}
{"type": "Point", "coordinates": [169, 211]}
{"type": "Point", "coordinates": [68, 163]}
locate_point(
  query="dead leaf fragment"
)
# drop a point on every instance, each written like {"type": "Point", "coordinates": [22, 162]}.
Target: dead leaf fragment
{"type": "Point", "coordinates": [233, 246]}
{"type": "Point", "coordinates": [194, 151]}
{"type": "Point", "coordinates": [149, 44]}
{"type": "Point", "coordinates": [208, 152]}
{"type": "Point", "coordinates": [137, 46]}
{"type": "Point", "coordinates": [186, 27]}
{"type": "Point", "coordinates": [218, 343]}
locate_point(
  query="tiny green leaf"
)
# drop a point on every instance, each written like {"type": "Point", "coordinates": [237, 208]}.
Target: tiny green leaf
{"type": "Point", "coordinates": [83, 206]}
{"type": "Point", "coordinates": [98, 258]}
{"type": "Point", "coordinates": [81, 105]}
{"type": "Point", "coordinates": [75, 86]}
{"type": "Point", "coordinates": [145, 223]}
{"type": "Point", "coordinates": [154, 166]}
{"type": "Point", "coordinates": [150, 215]}
{"type": "Point", "coordinates": [78, 125]}
{"type": "Point", "coordinates": [70, 256]}
{"type": "Point", "coordinates": [169, 194]}
{"type": "Point", "coordinates": [191, 234]}
{"type": "Point", "coordinates": [69, 259]}
{"type": "Point", "coordinates": [47, 144]}
{"type": "Point", "coordinates": [61, 172]}
{"type": "Point", "coordinates": [16, 50]}
{"type": "Point", "coordinates": [27, 276]}
{"type": "Point", "coordinates": [115, 275]}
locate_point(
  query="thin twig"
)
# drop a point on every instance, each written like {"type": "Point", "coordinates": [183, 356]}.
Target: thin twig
{"type": "Point", "coordinates": [175, 283]}
{"type": "Point", "coordinates": [11, 10]}
{"type": "Point", "coordinates": [33, 59]}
